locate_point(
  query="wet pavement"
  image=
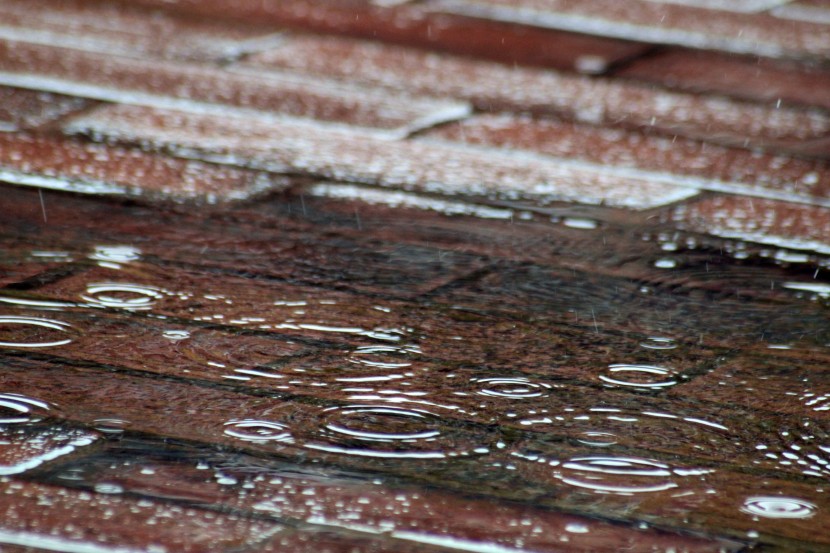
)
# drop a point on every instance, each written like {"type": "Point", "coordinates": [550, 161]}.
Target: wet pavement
{"type": "Point", "coordinates": [420, 277]}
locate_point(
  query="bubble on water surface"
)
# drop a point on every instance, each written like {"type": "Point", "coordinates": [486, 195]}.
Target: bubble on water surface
{"type": "Point", "coordinates": [659, 343]}
{"type": "Point", "coordinates": [511, 387]}
{"type": "Point", "coordinates": [126, 296]}
{"type": "Point", "coordinates": [639, 376]}
{"type": "Point", "coordinates": [778, 507]}
{"type": "Point", "coordinates": [176, 335]}
{"type": "Point", "coordinates": [17, 408]}
{"type": "Point", "coordinates": [665, 263]}
{"type": "Point", "coordinates": [114, 256]}
{"type": "Point", "coordinates": [108, 488]}
{"type": "Point", "coordinates": [252, 430]}
{"type": "Point", "coordinates": [598, 439]}
{"type": "Point", "coordinates": [33, 332]}
{"type": "Point", "coordinates": [110, 426]}
{"type": "Point", "coordinates": [577, 528]}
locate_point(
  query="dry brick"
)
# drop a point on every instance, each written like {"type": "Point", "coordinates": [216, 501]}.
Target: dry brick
{"type": "Point", "coordinates": [206, 88]}
{"type": "Point", "coordinates": [433, 166]}
{"type": "Point", "coordinates": [491, 86]}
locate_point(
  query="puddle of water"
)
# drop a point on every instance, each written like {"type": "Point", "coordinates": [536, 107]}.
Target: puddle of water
{"type": "Point", "coordinates": [33, 332]}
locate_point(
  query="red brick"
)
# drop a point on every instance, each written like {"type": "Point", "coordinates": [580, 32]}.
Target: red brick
{"type": "Point", "coordinates": [421, 165]}
{"type": "Point", "coordinates": [781, 224]}
{"type": "Point", "coordinates": [409, 518]}
{"type": "Point", "coordinates": [704, 165]}
{"type": "Point", "coordinates": [756, 79]}
{"type": "Point", "coordinates": [411, 24]}
{"type": "Point", "coordinates": [125, 29]}
{"type": "Point", "coordinates": [29, 109]}
{"type": "Point", "coordinates": [59, 519]}
{"type": "Point", "coordinates": [97, 169]}
{"type": "Point", "coordinates": [597, 101]}
{"type": "Point", "coordinates": [201, 87]}
{"type": "Point", "coordinates": [667, 23]}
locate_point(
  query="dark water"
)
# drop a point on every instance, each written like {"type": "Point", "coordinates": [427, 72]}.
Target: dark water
{"type": "Point", "coordinates": [409, 374]}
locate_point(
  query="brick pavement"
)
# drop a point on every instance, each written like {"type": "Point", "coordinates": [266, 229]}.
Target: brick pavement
{"type": "Point", "coordinates": [414, 276]}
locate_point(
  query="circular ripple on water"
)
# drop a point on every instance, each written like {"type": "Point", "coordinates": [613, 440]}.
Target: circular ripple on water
{"type": "Point", "coordinates": [117, 295]}
{"type": "Point", "coordinates": [659, 343]}
{"type": "Point", "coordinates": [259, 431]}
{"type": "Point", "coordinates": [17, 408]}
{"type": "Point", "coordinates": [394, 432]}
{"type": "Point", "coordinates": [778, 507]}
{"type": "Point", "coordinates": [650, 377]}
{"type": "Point", "coordinates": [33, 332]}
{"type": "Point", "coordinates": [621, 475]}
{"type": "Point", "coordinates": [511, 387]}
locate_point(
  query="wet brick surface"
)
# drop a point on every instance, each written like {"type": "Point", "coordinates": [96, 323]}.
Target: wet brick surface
{"type": "Point", "coordinates": [414, 276]}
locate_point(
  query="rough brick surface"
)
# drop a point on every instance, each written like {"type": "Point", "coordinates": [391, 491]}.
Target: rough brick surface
{"type": "Point", "coordinates": [27, 109]}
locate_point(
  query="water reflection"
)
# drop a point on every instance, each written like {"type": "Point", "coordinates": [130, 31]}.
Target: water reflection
{"type": "Point", "coordinates": [778, 507]}
{"type": "Point", "coordinates": [33, 332]}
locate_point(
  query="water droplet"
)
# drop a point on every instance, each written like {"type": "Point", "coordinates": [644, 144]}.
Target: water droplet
{"type": "Point", "coordinates": [114, 256]}
{"type": "Point", "coordinates": [639, 376]}
{"type": "Point", "coordinates": [176, 335]}
{"type": "Point", "coordinates": [580, 223]}
{"type": "Point", "coordinates": [620, 475]}
{"type": "Point", "coordinates": [27, 332]}
{"type": "Point", "coordinates": [658, 343]}
{"type": "Point", "coordinates": [108, 488]}
{"type": "Point", "coordinates": [577, 528]}
{"type": "Point", "coordinates": [513, 388]}
{"type": "Point", "coordinates": [130, 297]}
{"type": "Point", "coordinates": [778, 507]}
{"type": "Point", "coordinates": [252, 430]}
{"type": "Point", "coordinates": [16, 408]}
{"type": "Point", "coordinates": [665, 263]}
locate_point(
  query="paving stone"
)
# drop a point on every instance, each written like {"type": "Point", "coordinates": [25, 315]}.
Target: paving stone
{"type": "Point", "coordinates": [72, 165]}
{"type": "Point", "coordinates": [497, 87]}
{"type": "Point", "coordinates": [119, 27]}
{"type": "Point", "coordinates": [408, 23]}
{"type": "Point", "coordinates": [780, 224]}
{"type": "Point", "coordinates": [56, 518]}
{"type": "Point", "coordinates": [758, 79]}
{"type": "Point", "coordinates": [206, 88]}
{"type": "Point", "coordinates": [707, 166]}
{"type": "Point", "coordinates": [422, 517]}
{"type": "Point", "coordinates": [660, 22]}
{"type": "Point", "coordinates": [29, 109]}
{"type": "Point", "coordinates": [434, 166]}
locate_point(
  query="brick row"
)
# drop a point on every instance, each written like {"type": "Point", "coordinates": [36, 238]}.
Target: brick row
{"type": "Point", "coordinates": [125, 29]}
{"type": "Point", "coordinates": [53, 162]}
{"type": "Point", "coordinates": [420, 516]}
{"type": "Point", "coordinates": [710, 167]}
{"type": "Point", "coordinates": [206, 88]}
{"type": "Point", "coordinates": [408, 23]}
{"type": "Point", "coordinates": [59, 519]}
{"type": "Point", "coordinates": [30, 109]}
{"type": "Point", "coordinates": [666, 23]}
{"type": "Point", "coordinates": [497, 87]}
{"type": "Point", "coordinates": [433, 166]}
{"type": "Point", "coordinates": [776, 82]}
{"type": "Point", "coordinates": [776, 223]}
